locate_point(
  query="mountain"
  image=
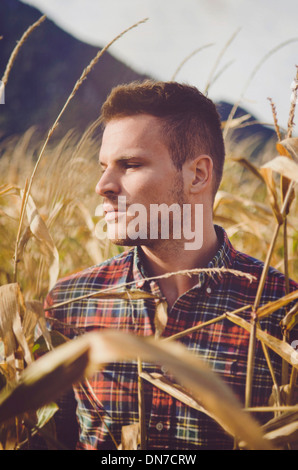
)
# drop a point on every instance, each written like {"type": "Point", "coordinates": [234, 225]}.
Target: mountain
{"type": "Point", "coordinates": [247, 130]}
{"type": "Point", "coordinates": [45, 71]}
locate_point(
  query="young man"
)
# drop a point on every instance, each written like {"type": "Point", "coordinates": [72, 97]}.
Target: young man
{"type": "Point", "coordinates": [162, 156]}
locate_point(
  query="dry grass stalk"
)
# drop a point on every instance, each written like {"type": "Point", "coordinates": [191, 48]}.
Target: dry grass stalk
{"type": "Point", "coordinates": [77, 85]}
{"type": "Point", "coordinates": [274, 114]}
{"type": "Point", "coordinates": [187, 59]}
{"type": "Point", "coordinates": [254, 72]}
{"type": "Point", "coordinates": [266, 409]}
{"type": "Point", "coordinates": [16, 50]}
{"type": "Point", "coordinates": [271, 307]}
{"type": "Point", "coordinates": [141, 405]}
{"type": "Point", "coordinates": [293, 107]}
{"type": "Point", "coordinates": [203, 325]}
{"type": "Point", "coordinates": [222, 52]}
{"type": "Point", "coordinates": [290, 320]}
{"type": "Point", "coordinates": [142, 294]}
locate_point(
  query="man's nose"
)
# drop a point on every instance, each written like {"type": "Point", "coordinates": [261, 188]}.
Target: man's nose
{"type": "Point", "coordinates": [108, 184]}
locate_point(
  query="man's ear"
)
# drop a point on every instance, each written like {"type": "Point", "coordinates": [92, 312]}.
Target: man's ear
{"type": "Point", "coordinates": [201, 170]}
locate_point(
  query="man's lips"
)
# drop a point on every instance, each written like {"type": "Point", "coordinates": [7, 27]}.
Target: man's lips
{"type": "Point", "coordinates": [111, 212]}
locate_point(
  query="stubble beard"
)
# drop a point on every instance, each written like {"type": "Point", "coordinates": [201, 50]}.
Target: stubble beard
{"type": "Point", "coordinates": [176, 196]}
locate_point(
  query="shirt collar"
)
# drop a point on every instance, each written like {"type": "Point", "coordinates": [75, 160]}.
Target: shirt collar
{"type": "Point", "coordinates": [224, 258]}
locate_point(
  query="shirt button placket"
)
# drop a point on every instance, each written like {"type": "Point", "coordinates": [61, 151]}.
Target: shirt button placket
{"type": "Point", "coordinates": [159, 426]}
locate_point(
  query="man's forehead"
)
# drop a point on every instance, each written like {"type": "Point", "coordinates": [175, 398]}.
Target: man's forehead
{"type": "Point", "coordinates": [127, 134]}
{"type": "Point", "coordinates": [136, 122]}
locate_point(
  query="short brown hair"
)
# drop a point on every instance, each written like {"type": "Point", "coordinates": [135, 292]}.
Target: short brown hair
{"type": "Point", "coordinates": [190, 120]}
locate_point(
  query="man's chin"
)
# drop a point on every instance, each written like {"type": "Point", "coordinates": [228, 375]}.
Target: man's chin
{"type": "Point", "coordinates": [127, 242]}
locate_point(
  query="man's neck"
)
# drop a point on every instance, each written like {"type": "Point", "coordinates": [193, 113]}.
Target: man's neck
{"type": "Point", "coordinates": [171, 256]}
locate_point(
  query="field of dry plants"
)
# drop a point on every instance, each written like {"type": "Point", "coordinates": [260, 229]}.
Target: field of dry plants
{"type": "Point", "coordinates": [47, 230]}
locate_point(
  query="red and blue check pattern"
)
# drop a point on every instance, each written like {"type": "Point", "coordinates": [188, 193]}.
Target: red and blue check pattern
{"type": "Point", "coordinates": [110, 399]}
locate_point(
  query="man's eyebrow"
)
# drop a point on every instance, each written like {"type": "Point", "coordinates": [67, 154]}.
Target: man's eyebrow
{"type": "Point", "coordinates": [124, 158]}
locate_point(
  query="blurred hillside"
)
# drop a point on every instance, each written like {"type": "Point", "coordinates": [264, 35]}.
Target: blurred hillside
{"type": "Point", "coordinates": [46, 69]}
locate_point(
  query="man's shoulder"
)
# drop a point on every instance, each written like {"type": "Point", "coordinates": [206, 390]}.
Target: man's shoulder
{"type": "Point", "coordinates": [112, 271]}
{"type": "Point", "coordinates": [275, 279]}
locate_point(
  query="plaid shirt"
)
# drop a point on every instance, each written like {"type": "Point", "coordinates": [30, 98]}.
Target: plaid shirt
{"type": "Point", "coordinates": [113, 400]}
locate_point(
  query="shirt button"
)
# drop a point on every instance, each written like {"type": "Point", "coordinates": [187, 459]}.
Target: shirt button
{"type": "Point", "coordinates": [208, 290]}
{"type": "Point", "coordinates": [159, 426]}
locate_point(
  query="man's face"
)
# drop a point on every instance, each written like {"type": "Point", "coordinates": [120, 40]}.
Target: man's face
{"type": "Point", "coordinates": [138, 169]}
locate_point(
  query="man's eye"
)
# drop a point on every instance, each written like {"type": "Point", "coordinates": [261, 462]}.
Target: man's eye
{"type": "Point", "coordinates": [132, 165]}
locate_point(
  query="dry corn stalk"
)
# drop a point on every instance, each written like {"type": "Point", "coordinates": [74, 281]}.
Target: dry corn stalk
{"type": "Point", "coordinates": [34, 315]}
{"type": "Point", "coordinates": [46, 378]}
{"type": "Point", "coordinates": [40, 231]}
{"type": "Point", "coordinates": [130, 437]}
{"type": "Point", "coordinates": [12, 310]}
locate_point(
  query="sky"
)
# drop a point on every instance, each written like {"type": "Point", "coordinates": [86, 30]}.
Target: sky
{"type": "Point", "coordinates": [246, 49]}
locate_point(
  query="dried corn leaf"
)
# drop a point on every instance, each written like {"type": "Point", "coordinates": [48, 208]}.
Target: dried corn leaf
{"type": "Point", "coordinates": [282, 429]}
{"type": "Point", "coordinates": [284, 166]}
{"type": "Point", "coordinates": [7, 373]}
{"type": "Point", "coordinates": [284, 187]}
{"type": "Point", "coordinates": [34, 315]}
{"type": "Point", "coordinates": [267, 174]}
{"type": "Point", "coordinates": [128, 294]}
{"type": "Point", "coordinates": [282, 348]}
{"type": "Point", "coordinates": [40, 231]}
{"type": "Point", "coordinates": [45, 413]}
{"type": "Point", "coordinates": [290, 319]}
{"type": "Point", "coordinates": [284, 435]}
{"type": "Point", "coordinates": [46, 427]}
{"type": "Point", "coordinates": [41, 346]}
{"type": "Point", "coordinates": [12, 309]}
{"type": "Point", "coordinates": [175, 390]}
{"type": "Point", "coordinates": [44, 379]}
{"type": "Point", "coordinates": [160, 317]}
{"type": "Point", "coordinates": [281, 420]}
{"type": "Point", "coordinates": [288, 147]}
{"type": "Point", "coordinates": [271, 307]}
{"type": "Point", "coordinates": [25, 237]}
{"type": "Point", "coordinates": [92, 244]}
{"type": "Point", "coordinates": [288, 395]}
{"type": "Point", "coordinates": [244, 204]}
{"type": "Point", "coordinates": [8, 188]}
{"type": "Point", "coordinates": [236, 122]}
{"type": "Point", "coordinates": [250, 166]}
{"type": "Point", "coordinates": [8, 436]}
{"type": "Point", "coordinates": [130, 437]}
